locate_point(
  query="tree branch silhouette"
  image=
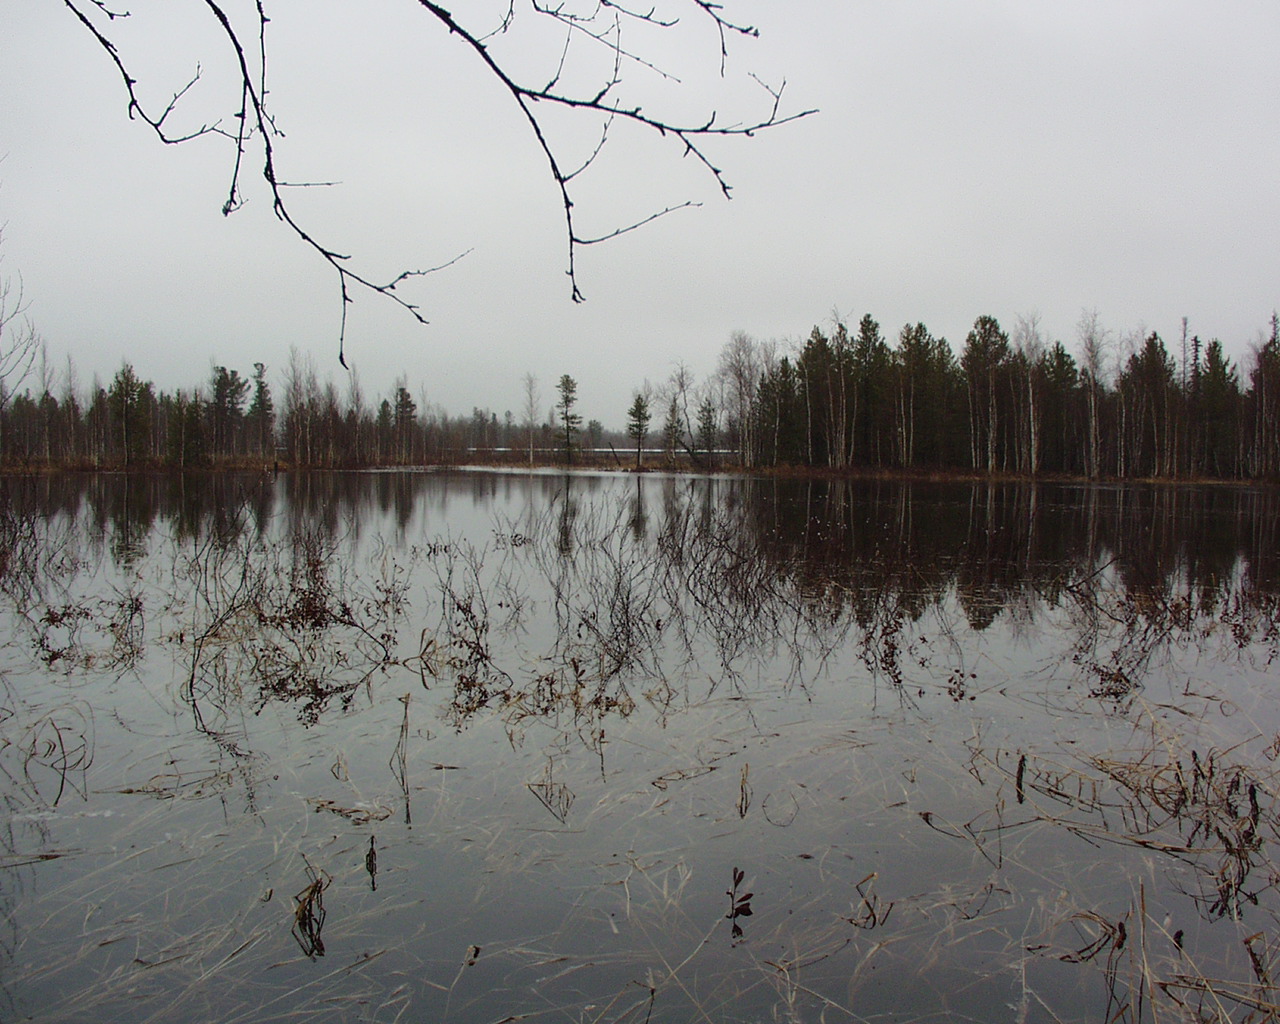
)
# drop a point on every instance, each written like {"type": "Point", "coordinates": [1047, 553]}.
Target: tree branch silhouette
{"type": "Point", "coordinates": [598, 23]}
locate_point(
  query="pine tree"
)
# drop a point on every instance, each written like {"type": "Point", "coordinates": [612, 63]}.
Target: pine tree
{"type": "Point", "coordinates": [261, 417]}
{"type": "Point", "coordinates": [638, 423]}
{"type": "Point", "coordinates": [570, 421]}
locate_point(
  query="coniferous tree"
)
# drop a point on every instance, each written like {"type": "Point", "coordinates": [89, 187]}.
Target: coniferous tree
{"type": "Point", "coordinates": [784, 441]}
{"type": "Point", "coordinates": [570, 421]}
{"type": "Point", "coordinates": [185, 442]}
{"type": "Point", "coordinates": [405, 417]}
{"type": "Point", "coordinates": [707, 423]}
{"type": "Point", "coordinates": [1264, 405]}
{"type": "Point", "coordinates": [261, 417]}
{"type": "Point", "coordinates": [985, 364]}
{"type": "Point", "coordinates": [228, 391]}
{"type": "Point", "coordinates": [1218, 413]}
{"type": "Point", "coordinates": [871, 414]}
{"type": "Point", "coordinates": [817, 368]}
{"type": "Point", "coordinates": [1062, 439]}
{"type": "Point", "coordinates": [131, 402]}
{"type": "Point", "coordinates": [638, 418]}
{"type": "Point", "coordinates": [1146, 387]}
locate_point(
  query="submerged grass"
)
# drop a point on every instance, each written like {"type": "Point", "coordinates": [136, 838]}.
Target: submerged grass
{"type": "Point", "coordinates": [666, 774]}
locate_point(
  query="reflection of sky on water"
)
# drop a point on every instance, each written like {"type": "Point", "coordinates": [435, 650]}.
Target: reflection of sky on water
{"type": "Point", "coordinates": [908, 714]}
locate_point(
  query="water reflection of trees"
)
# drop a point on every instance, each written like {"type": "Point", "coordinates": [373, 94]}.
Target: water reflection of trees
{"type": "Point", "coordinates": [566, 603]}
{"type": "Point", "coordinates": [1155, 559]}
{"type": "Point", "coordinates": [747, 573]}
{"type": "Point", "coordinates": [644, 573]}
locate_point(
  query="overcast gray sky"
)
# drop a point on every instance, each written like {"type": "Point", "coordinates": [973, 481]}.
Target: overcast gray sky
{"type": "Point", "coordinates": [990, 157]}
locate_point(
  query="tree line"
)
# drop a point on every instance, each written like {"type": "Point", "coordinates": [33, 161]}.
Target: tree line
{"type": "Point", "coordinates": [1012, 403]}
{"type": "Point", "coordinates": [847, 399]}
{"type": "Point", "coordinates": [234, 420]}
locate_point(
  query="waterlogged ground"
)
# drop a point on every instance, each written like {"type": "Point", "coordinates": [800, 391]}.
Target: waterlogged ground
{"type": "Point", "coordinates": [483, 748]}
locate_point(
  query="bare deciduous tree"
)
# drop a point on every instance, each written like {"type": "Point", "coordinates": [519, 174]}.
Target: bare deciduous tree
{"type": "Point", "coordinates": [532, 402]}
{"type": "Point", "coordinates": [19, 341]}
{"type": "Point", "coordinates": [1093, 349]}
{"type": "Point", "coordinates": [1029, 348]}
{"type": "Point", "coordinates": [740, 368]}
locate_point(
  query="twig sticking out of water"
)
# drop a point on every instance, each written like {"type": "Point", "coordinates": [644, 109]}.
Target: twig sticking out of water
{"type": "Point", "coordinates": [739, 903]}
{"type": "Point", "coordinates": [308, 913]}
{"type": "Point", "coordinates": [399, 759]}
{"type": "Point", "coordinates": [555, 796]}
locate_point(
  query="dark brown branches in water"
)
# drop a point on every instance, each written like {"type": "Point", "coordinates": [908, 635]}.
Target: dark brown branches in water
{"type": "Point", "coordinates": [624, 605]}
{"type": "Point", "coordinates": [1214, 810]}
{"type": "Point", "coordinates": [717, 566]}
{"type": "Point", "coordinates": [57, 751]}
{"type": "Point", "coordinates": [597, 29]}
{"type": "Point", "coordinates": [282, 617]}
{"type": "Point", "coordinates": [481, 604]}
{"type": "Point", "coordinates": [460, 646]}
{"type": "Point", "coordinates": [38, 553]}
{"type": "Point", "coordinates": [1205, 817]}
{"type": "Point", "coordinates": [609, 608]}
{"type": "Point", "coordinates": [553, 794]}
{"type": "Point", "coordinates": [1150, 974]}
{"type": "Point", "coordinates": [309, 913]}
{"type": "Point", "coordinates": [97, 633]}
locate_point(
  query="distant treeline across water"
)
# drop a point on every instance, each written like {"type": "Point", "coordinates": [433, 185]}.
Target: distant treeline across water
{"type": "Point", "coordinates": [1010, 403]}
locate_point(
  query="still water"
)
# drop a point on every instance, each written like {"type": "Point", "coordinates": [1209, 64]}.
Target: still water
{"type": "Point", "coordinates": [485, 747]}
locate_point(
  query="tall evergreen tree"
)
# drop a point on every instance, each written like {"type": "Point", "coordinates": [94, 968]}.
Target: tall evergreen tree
{"type": "Point", "coordinates": [985, 364]}
{"type": "Point", "coordinates": [132, 403]}
{"type": "Point", "coordinates": [570, 421]}
{"type": "Point", "coordinates": [638, 418]}
{"type": "Point", "coordinates": [1062, 439]}
{"type": "Point", "coordinates": [871, 415]}
{"type": "Point", "coordinates": [1146, 389]}
{"type": "Point", "coordinates": [228, 391]}
{"type": "Point", "coordinates": [405, 417]}
{"type": "Point", "coordinates": [261, 417]}
{"type": "Point", "coordinates": [185, 443]}
{"type": "Point", "coordinates": [1264, 405]}
{"type": "Point", "coordinates": [1218, 409]}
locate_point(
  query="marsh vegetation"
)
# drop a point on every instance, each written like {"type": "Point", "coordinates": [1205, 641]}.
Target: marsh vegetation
{"type": "Point", "coordinates": [488, 747]}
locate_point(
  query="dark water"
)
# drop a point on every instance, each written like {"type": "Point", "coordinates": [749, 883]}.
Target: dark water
{"type": "Point", "coordinates": [485, 747]}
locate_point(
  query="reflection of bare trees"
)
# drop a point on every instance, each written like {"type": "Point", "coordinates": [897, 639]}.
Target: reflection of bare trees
{"type": "Point", "coordinates": [735, 573]}
{"type": "Point", "coordinates": [636, 584]}
{"type": "Point", "coordinates": [280, 620]}
{"type": "Point", "coordinates": [745, 566]}
{"type": "Point", "coordinates": [583, 603]}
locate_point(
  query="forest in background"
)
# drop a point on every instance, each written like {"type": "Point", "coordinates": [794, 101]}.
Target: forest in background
{"type": "Point", "coordinates": [847, 399]}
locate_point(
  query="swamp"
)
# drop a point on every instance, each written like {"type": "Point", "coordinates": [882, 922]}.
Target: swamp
{"type": "Point", "coordinates": [483, 747]}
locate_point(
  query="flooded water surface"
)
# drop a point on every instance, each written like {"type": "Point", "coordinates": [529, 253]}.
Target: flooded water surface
{"type": "Point", "coordinates": [485, 747]}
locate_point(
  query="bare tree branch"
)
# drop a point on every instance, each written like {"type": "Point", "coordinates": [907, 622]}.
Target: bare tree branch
{"type": "Point", "coordinates": [599, 23]}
